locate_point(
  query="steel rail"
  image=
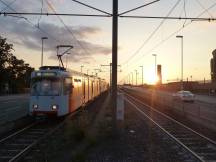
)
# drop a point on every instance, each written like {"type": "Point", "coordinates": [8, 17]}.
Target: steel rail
{"type": "Point", "coordinates": [202, 137]}
{"type": "Point", "coordinates": [165, 131]}
{"type": "Point", "coordinates": [27, 149]}
{"type": "Point", "coordinates": [177, 122]}
{"type": "Point", "coordinates": [16, 133]}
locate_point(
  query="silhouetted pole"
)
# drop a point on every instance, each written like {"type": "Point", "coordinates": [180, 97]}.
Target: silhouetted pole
{"type": "Point", "coordinates": [155, 65]}
{"type": "Point", "coordinates": [81, 68]}
{"type": "Point", "coordinates": [114, 57]}
{"type": "Point", "coordinates": [142, 74]}
{"type": "Point", "coordinates": [111, 77]}
{"type": "Point", "coordinates": [132, 77]}
{"type": "Point", "coordinates": [42, 39]}
{"type": "Point", "coordinates": [129, 78]}
{"type": "Point", "coordinates": [180, 36]}
{"type": "Point", "coordinates": [136, 76]}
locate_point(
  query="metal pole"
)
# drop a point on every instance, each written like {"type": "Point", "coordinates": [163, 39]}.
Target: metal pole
{"type": "Point", "coordinates": [155, 55]}
{"type": "Point", "coordinates": [182, 84]}
{"type": "Point", "coordinates": [111, 77]}
{"type": "Point", "coordinates": [128, 79]}
{"type": "Point", "coordinates": [42, 39]}
{"type": "Point", "coordinates": [114, 57]}
{"type": "Point", "coordinates": [136, 76]}
{"type": "Point", "coordinates": [155, 66]}
{"type": "Point", "coordinates": [42, 53]}
{"type": "Point", "coordinates": [132, 77]}
{"type": "Point", "coordinates": [81, 68]}
{"type": "Point", "coordinates": [182, 63]}
{"type": "Point", "coordinates": [142, 74]}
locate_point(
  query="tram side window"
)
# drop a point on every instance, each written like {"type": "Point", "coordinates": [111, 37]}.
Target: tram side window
{"type": "Point", "coordinates": [67, 85]}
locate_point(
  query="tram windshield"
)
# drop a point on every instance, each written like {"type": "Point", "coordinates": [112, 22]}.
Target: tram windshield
{"type": "Point", "coordinates": [45, 87]}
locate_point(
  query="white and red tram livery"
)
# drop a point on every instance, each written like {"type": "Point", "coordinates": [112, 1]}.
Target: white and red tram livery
{"type": "Point", "coordinates": [55, 91]}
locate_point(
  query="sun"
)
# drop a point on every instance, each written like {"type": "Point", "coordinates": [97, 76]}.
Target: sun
{"type": "Point", "coordinates": [150, 78]}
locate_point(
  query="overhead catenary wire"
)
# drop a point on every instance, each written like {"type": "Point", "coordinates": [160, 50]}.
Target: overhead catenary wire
{"type": "Point", "coordinates": [203, 7]}
{"type": "Point", "coordinates": [170, 36]}
{"type": "Point", "coordinates": [10, 4]}
{"type": "Point", "coordinates": [147, 4]}
{"type": "Point", "coordinates": [69, 30]}
{"type": "Point", "coordinates": [172, 18]}
{"type": "Point", "coordinates": [27, 20]}
{"type": "Point", "coordinates": [151, 35]}
{"type": "Point", "coordinates": [185, 13]}
{"type": "Point", "coordinates": [94, 8]}
{"type": "Point", "coordinates": [41, 12]}
{"type": "Point", "coordinates": [181, 28]}
{"type": "Point", "coordinates": [51, 14]}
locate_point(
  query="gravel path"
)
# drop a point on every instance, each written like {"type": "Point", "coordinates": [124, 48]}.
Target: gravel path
{"type": "Point", "coordinates": [140, 141]}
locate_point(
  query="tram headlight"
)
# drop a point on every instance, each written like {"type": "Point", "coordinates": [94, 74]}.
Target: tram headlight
{"type": "Point", "coordinates": [54, 107]}
{"type": "Point", "coordinates": [35, 106]}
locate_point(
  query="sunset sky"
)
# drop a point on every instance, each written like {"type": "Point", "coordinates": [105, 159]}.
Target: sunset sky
{"type": "Point", "coordinates": [92, 36]}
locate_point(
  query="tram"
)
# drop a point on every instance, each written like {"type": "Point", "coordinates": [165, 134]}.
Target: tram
{"type": "Point", "coordinates": [57, 91]}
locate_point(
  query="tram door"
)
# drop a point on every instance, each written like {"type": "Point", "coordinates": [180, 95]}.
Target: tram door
{"type": "Point", "coordinates": [68, 89]}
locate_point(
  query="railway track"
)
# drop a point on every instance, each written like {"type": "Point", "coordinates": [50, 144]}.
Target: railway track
{"type": "Point", "coordinates": [200, 147]}
{"type": "Point", "coordinates": [17, 145]}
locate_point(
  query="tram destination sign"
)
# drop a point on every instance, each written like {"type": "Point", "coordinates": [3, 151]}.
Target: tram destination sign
{"type": "Point", "coordinates": [46, 74]}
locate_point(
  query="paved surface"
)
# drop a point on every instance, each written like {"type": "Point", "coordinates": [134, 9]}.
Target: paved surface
{"type": "Point", "coordinates": [199, 98]}
{"type": "Point", "coordinates": [202, 111]}
{"type": "Point", "coordinates": [13, 107]}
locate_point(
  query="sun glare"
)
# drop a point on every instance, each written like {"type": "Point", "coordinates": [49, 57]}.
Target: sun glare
{"type": "Point", "coordinates": [151, 78]}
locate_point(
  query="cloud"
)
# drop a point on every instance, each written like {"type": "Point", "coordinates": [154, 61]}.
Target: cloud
{"type": "Point", "coordinates": [30, 38]}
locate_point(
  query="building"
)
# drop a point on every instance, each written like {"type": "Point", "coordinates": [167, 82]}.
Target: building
{"type": "Point", "coordinates": [213, 67]}
{"type": "Point", "coordinates": [159, 74]}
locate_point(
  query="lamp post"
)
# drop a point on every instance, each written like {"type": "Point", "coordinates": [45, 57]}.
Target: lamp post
{"type": "Point", "coordinates": [142, 74]}
{"type": "Point", "coordinates": [128, 78]}
{"type": "Point", "coordinates": [136, 76]}
{"type": "Point", "coordinates": [181, 37]}
{"type": "Point", "coordinates": [81, 68]}
{"type": "Point", "coordinates": [42, 39]}
{"type": "Point", "coordinates": [132, 77]}
{"type": "Point", "coordinates": [155, 55]}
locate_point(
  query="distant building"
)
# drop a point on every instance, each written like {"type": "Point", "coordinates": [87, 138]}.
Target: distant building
{"type": "Point", "coordinates": [159, 74]}
{"type": "Point", "coordinates": [213, 67]}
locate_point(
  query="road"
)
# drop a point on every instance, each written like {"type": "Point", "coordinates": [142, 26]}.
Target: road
{"type": "Point", "coordinates": [13, 107]}
{"type": "Point", "coordinates": [202, 111]}
{"type": "Point", "coordinates": [198, 98]}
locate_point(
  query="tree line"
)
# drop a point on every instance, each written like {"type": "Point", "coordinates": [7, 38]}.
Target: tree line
{"type": "Point", "coordinates": [14, 73]}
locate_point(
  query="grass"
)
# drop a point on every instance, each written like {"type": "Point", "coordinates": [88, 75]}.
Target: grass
{"type": "Point", "coordinates": [77, 137]}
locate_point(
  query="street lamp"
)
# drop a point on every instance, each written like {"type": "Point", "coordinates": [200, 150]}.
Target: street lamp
{"type": "Point", "coordinates": [136, 76]}
{"type": "Point", "coordinates": [128, 78]}
{"type": "Point", "coordinates": [181, 37]}
{"type": "Point", "coordinates": [81, 68]}
{"type": "Point", "coordinates": [142, 74]}
{"type": "Point", "coordinates": [42, 39]}
{"type": "Point", "coordinates": [155, 55]}
{"type": "Point", "coordinates": [132, 77]}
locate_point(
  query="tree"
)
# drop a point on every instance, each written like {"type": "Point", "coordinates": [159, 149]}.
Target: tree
{"type": "Point", "coordinates": [14, 73]}
{"type": "Point", "coordinates": [5, 54]}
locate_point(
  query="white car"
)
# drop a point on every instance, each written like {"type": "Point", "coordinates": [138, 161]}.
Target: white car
{"type": "Point", "coordinates": [184, 96]}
